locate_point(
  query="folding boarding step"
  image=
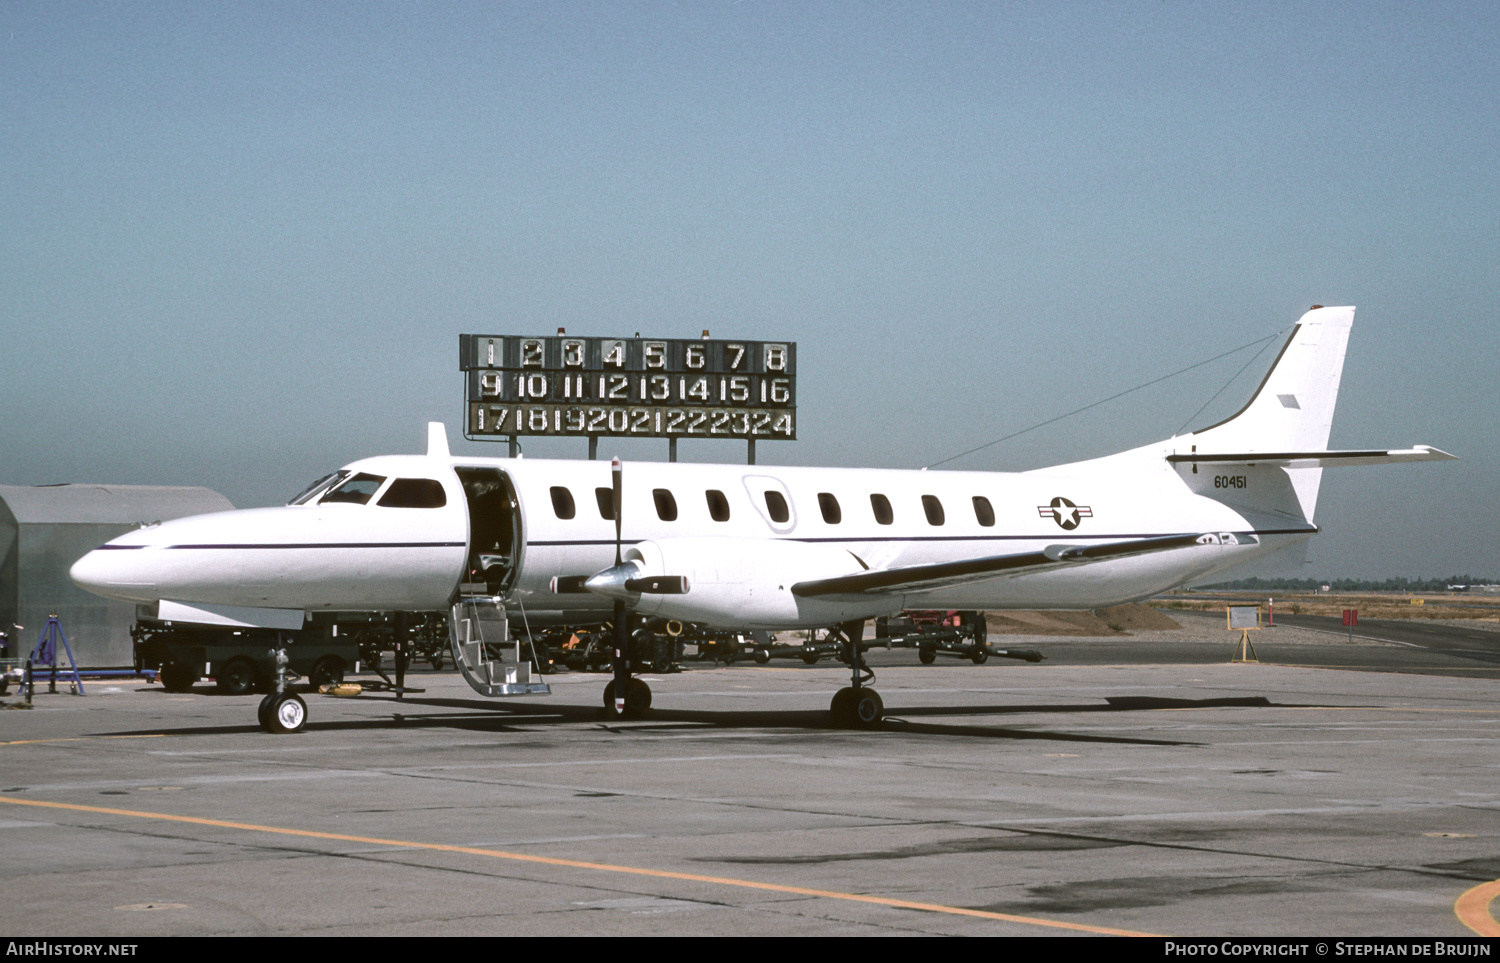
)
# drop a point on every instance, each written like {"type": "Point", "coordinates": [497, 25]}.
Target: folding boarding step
{"type": "Point", "coordinates": [479, 632]}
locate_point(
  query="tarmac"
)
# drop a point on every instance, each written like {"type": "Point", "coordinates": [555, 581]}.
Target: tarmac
{"type": "Point", "coordinates": [1088, 794]}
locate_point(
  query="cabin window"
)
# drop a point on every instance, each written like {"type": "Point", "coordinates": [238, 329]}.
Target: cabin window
{"type": "Point", "coordinates": [933, 508]}
{"type": "Point", "coordinates": [414, 493]}
{"type": "Point", "coordinates": [666, 505]}
{"type": "Point", "coordinates": [830, 506]}
{"type": "Point", "coordinates": [355, 491]}
{"type": "Point", "coordinates": [984, 512]}
{"type": "Point", "coordinates": [718, 505]}
{"type": "Point", "coordinates": [882, 508]}
{"type": "Point", "coordinates": [606, 499]}
{"type": "Point", "coordinates": [562, 502]}
{"type": "Point", "coordinates": [777, 507]}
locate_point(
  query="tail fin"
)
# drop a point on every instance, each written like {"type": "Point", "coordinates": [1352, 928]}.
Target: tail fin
{"type": "Point", "coordinates": [1292, 410]}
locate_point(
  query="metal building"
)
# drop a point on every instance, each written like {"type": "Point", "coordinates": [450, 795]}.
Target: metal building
{"type": "Point", "coordinates": [45, 529]}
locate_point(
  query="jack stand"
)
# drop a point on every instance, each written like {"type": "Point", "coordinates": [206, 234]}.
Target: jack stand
{"type": "Point", "coordinates": [44, 656]}
{"type": "Point", "coordinates": [1245, 652]}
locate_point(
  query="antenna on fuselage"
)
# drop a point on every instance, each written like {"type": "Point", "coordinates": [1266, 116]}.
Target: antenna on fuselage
{"type": "Point", "coordinates": [437, 440]}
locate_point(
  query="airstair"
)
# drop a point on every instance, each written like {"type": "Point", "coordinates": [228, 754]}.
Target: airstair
{"type": "Point", "coordinates": [489, 659]}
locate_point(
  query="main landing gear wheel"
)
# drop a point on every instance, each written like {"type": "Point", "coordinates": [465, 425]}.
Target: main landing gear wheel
{"type": "Point", "coordinates": [926, 655]}
{"type": "Point", "coordinates": [857, 708]}
{"type": "Point", "coordinates": [283, 713]}
{"type": "Point", "coordinates": [637, 699]}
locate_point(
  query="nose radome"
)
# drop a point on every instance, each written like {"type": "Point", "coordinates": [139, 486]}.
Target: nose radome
{"type": "Point", "coordinates": [110, 571]}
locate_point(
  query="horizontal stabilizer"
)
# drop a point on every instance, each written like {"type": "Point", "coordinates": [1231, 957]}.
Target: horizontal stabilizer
{"type": "Point", "coordinates": [918, 578]}
{"type": "Point", "coordinates": [1314, 459]}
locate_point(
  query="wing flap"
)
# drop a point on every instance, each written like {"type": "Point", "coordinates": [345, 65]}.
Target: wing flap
{"type": "Point", "coordinates": [940, 574]}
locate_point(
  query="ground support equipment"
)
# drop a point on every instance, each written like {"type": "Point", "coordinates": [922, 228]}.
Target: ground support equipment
{"type": "Point", "coordinates": [44, 657]}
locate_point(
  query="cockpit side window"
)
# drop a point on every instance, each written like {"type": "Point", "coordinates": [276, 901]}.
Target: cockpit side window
{"type": "Point", "coordinates": [414, 493]}
{"type": "Point", "coordinates": [318, 487]}
{"type": "Point", "coordinates": [355, 491]}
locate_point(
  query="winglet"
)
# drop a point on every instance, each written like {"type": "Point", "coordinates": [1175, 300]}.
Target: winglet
{"type": "Point", "coordinates": [437, 440]}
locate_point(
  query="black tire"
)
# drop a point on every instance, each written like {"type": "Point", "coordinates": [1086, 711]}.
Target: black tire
{"type": "Point", "coordinates": [286, 714]}
{"type": "Point", "coordinates": [237, 677]}
{"type": "Point", "coordinates": [841, 709]}
{"type": "Point", "coordinates": [868, 709]}
{"type": "Point", "coordinates": [980, 655]}
{"type": "Point", "coordinates": [176, 677]}
{"type": "Point", "coordinates": [637, 700]}
{"type": "Point", "coordinates": [263, 712]}
{"type": "Point", "coordinates": [926, 655]}
{"type": "Point", "coordinates": [762, 656]}
{"type": "Point", "coordinates": [328, 670]}
{"type": "Point", "coordinates": [810, 657]}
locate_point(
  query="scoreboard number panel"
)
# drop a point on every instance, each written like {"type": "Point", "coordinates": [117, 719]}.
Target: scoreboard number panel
{"type": "Point", "coordinates": [629, 387]}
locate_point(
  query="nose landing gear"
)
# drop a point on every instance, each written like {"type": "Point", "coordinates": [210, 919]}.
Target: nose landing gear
{"type": "Point", "coordinates": [282, 711]}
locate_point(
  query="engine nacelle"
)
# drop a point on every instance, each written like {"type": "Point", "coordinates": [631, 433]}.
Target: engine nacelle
{"type": "Point", "coordinates": [746, 583]}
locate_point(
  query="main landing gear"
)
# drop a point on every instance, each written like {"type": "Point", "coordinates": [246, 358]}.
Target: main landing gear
{"type": "Point", "coordinates": [625, 697]}
{"type": "Point", "coordinates": [856, 706]}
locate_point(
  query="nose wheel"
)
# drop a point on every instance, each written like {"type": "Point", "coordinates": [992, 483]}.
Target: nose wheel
{"type": "Point", "coordinates": [281, 711]}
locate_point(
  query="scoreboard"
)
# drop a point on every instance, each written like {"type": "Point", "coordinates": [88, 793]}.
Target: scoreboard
{"type": "Point", "coordinates": [629, 387]}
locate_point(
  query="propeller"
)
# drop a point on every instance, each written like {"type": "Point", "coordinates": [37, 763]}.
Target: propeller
{"type": "Point", "coordinates": [624, 583]}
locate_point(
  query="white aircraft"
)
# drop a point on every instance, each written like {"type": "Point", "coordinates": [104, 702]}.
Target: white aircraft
{"type": "Point", "coordinates": [755, 547]}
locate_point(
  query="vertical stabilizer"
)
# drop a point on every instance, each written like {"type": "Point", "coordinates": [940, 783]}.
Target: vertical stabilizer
{"type": "Point", "coordinates": [1292, 410]}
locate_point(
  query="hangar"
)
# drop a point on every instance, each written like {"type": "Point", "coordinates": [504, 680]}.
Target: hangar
{"type": "Point", "coordinates": [44, 529]}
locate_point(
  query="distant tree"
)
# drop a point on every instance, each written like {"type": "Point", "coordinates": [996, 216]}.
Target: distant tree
{"type": "Point", "coordinates": [1395, 585]}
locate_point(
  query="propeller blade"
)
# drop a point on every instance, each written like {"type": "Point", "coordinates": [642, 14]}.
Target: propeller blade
{"type": "Point", "coordinates": [616, 483]}
{"type": "Point", "coordinates": [658, 585]}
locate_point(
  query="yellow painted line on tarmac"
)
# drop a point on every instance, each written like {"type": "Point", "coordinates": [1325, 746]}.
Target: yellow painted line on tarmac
{"type": "Point", "coordinates": [32, 742]}
{"type": "Point", "coordinates": [580, 864]}
{"type": "Point", "coordinates": [1473, 908]}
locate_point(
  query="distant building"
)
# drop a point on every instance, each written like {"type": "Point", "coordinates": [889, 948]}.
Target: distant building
{"type": "Point", "coordinates": [44, 529]}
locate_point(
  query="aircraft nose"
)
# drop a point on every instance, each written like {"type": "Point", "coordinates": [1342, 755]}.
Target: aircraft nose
{"type": "Point", "coordinates": [112, 571]}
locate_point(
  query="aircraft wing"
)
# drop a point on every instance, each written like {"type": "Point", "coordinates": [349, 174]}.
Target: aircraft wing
{"type": "Point", "coordinates": [1314, 459]}
{"type": "Point", "coordinates": [916, 578]}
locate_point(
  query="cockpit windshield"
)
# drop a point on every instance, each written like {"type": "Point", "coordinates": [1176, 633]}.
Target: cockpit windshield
{"type": "Point", "coordinates": [355, 491]}
{"type": "Point", "coordinates": [318, 487]}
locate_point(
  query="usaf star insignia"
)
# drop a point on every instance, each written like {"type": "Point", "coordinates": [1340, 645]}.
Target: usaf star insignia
{"type": "Point", "coordinates": [1065, 513]}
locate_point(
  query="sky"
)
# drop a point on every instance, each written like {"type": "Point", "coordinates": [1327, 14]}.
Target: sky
{"type": "Point", "coordinates": [239, 241]}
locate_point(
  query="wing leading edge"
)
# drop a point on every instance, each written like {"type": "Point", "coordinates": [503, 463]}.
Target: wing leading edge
{"type": "Point", "coordinates": [922, 577]}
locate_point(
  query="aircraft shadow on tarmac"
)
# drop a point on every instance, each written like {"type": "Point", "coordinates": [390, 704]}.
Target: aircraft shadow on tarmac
{"type": "Point", "coordinates": [487, 717]}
